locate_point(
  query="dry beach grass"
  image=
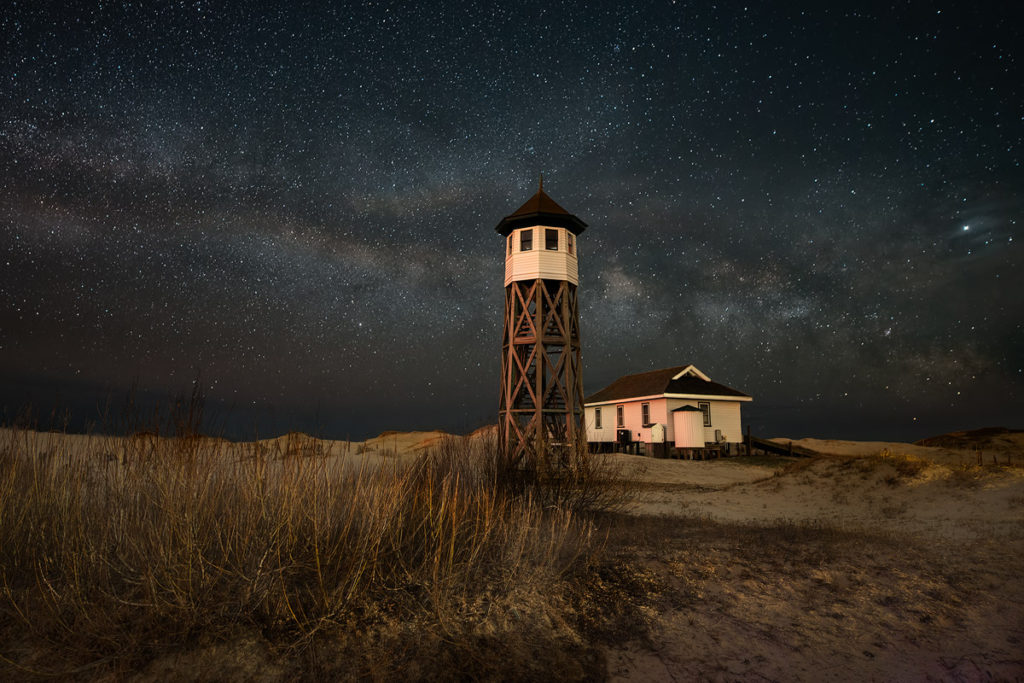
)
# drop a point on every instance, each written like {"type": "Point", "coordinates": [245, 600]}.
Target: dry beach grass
{"type": "Point", "coordinates": [414, 556]}
{"type": "Point", "coordinates": [153, 557]}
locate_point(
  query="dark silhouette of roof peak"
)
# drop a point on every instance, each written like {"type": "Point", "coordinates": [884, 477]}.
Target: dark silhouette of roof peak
{"type": "Point", "coordinates": [540, 209]}
{"type": "Point", "coordinates": [539, 203]}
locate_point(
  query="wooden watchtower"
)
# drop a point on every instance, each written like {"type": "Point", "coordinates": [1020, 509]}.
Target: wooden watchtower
{"type": "Point", "coordinates": [541, 406]}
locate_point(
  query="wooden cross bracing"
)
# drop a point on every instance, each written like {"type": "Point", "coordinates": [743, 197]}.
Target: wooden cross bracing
{"type": "Point", "coordinates": [541, 405]}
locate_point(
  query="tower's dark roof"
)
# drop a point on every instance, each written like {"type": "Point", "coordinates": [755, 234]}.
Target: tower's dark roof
{"type": "Point", "coordinates": [539, 203]}
{"type": "Point", "coordinates": [540, 209]}
{"type": "Point", "coordinates": [657, 382]}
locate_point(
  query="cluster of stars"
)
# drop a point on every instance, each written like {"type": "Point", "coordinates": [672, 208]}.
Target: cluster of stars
{"type": "Point", "coordinates": [297, 204]}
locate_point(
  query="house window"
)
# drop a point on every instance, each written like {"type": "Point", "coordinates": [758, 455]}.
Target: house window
{"type": "Point", "coordinates": [597, 418]}
{"type": "Point", "coordinates": [705, 408]}
{"type": "Point", "coordinates": [645, 412]}
{"type": "Point", "coordinates": [551, 239]}
{"type": "Point", "coordinates": [569, 242]}
{"type": "Point", "coordinates": [526, 240]}
{"type": "Point", "coordinates": [619, 417]}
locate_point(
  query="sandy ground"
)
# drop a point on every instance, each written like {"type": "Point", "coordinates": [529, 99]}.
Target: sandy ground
{"type": "Point", "coordinates": [852, 492]}
{"type": "Point", "coordinates": [874, 561]}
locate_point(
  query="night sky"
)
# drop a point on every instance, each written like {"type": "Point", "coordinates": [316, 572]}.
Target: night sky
{"type": "Point", "coordinates": [820, 205]}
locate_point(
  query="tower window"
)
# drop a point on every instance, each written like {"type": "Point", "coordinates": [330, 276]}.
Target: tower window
{"type": "Point", "coordinates": [597, 418]}
{"type": "Point", "coordinates": [526, 240]}
{"type": "Point", "coordinates": [509, 240]}
{"type": "Point", "coordinates": [551, 239]}
{"type": "Point", "coordinates": [569, 237]}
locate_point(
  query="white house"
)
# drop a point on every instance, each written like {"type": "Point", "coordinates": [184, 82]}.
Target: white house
{"type": "Point", "coordinates": [679, 407]}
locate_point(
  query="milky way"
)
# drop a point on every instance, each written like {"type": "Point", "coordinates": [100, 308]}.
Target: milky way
{"type": "Point", "coordinates": [820, 206]}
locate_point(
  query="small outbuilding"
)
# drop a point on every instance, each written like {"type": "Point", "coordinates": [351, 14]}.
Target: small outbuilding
{"type": "Point", "coordinates": [676, 412]}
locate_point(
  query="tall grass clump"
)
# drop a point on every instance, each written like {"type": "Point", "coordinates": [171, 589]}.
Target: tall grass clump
{"type": "Point", "coordinates": [564, 476]}
{"type": "Point", "coordinates": [118, 552]}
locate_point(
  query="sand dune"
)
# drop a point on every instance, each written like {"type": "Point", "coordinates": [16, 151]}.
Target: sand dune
{"type": "Point", "coordinates": [949, 452]}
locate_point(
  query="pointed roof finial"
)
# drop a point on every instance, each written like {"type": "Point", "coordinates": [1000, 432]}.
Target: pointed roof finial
{"type": "Point", "coordinates": [541, 188]}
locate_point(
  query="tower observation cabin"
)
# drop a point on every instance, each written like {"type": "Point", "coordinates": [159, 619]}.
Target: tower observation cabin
{"type": "Point", "coordinates": [541, 405]}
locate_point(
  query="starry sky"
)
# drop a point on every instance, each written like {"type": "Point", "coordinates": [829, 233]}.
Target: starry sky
{"type": "Point", "coordinates": [819, 204]}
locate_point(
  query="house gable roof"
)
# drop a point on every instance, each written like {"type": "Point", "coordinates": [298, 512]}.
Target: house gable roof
{"type": "Point", "coordinates": [691, 370]}
{"type": "Point", "coordinates": [676, 380]}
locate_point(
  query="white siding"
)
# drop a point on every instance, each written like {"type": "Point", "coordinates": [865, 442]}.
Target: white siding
{"type": "Point", "coordinates": [725, 415]}
{"type": "Point", "coordinates": [607, 431]}
{"type": "Point", "coordinates": [632, 420]}
{"type": "Point", "coordinates": [540, 262]}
